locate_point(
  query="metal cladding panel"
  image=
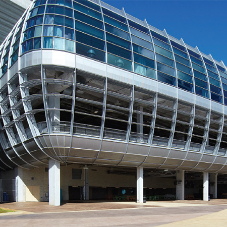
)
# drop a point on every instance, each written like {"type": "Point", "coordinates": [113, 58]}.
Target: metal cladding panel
{"type": "Point", "coordinates": [85, 143]}
{"type": "Point", "coordinates": [113, 146]}
{"type": "Point", "coordinates": [207, 158]}
{"type": "Point", "coordinates": [193, 156]}
{"type": "Point", "coordinates": [106, 162]}
{"type": "Point", "coordinates": [156, 151]}
{"type": "Point", "coordinates": [188, 164]}
{"type": "Point", "coordinates": [137, 149]}
{"type": "Point", "coordinates": [155, 160]}
{"type": "Point", "coordinates": [133, 164]}
{"type": "Point", "coordinates": [220, 160]}
{"type": "Point", "coordinates": [177, 154]}
{"type": "Point", "coordinates": [202, 166]}
{"type": "Point", "coordinates": [20, 149]}
{"type": "Point", "coordinates": [173, 162]}
{"type": "Point", "coordinates": [80, 160]}
{"type": "Point", "coordinates": [110, 155]}
{"type": "Point", "coordinates": [31, 145]}
{"type": "Point", "coordinates": [133, 158]}
{"type": "Point", "coordinates": [83, 153]}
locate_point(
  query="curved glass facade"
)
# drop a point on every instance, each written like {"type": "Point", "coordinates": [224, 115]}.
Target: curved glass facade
{"type": "Point", "coordinates": [45, 106]}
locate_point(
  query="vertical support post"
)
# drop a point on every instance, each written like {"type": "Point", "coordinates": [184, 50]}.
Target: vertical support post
{"type": "Point", "coordinates": [180, 184]}
{"type": "Point", "coordinates": [205, 186]}
{"type": "Point", "coordinates": [19, 185]}
{"type": "Point", "coordinates": [86, 183]}
{"type": "Point", "coordinates": [54, 103]}
{"type": "Point", "coordinates": [140, 125]}
{"type": "Point", "coordinates": [139, 184]}
{"type": "Point", "coordinates": [213, 185]}
{"type": "Point", "coordinates": [54, 183]}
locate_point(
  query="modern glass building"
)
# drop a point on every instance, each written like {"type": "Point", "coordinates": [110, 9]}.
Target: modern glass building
{"type": "Point", "coordinates": [83, 82]}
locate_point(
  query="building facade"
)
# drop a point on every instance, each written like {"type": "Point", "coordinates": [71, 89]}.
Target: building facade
{"type": "Point", "coordinates": [84, 84]}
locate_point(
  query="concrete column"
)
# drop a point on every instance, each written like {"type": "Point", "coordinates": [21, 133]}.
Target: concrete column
{"type": "Point", "coordinates": [20, 187]}
{"type": "Point", "coordinates": [140, 185]}
{"type": "Point", "coordinates": [54, 183]}
{"type": "Point", "coordinates": [214, 185]}
{"type": "Point", "coordinates": [86, 183]}
{"type": "Point", "coordinates": [180, 184]}
{"type": "Point", "coordinates": [140, 124]}
{"type": "Point", "coordinates": [205, 186]}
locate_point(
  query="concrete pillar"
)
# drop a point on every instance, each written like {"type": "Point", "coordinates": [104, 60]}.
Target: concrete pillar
{"type": "Point", "coordinates": [140, 124]}
{"type": "Point", "coordinates": [86, 183]}
{"type": "Point", "coordinates": [54, 183]}
{"type": "Point", "coordinates": [140, 185]}
{"type": "Point", "coordinates": [205, 186]}
{"type": "Point", "coordinates": [214, 185]}
{"type": "Point", "coordinates": [180, 184]}
{"type": "Point", "coordinates": [20, 187]}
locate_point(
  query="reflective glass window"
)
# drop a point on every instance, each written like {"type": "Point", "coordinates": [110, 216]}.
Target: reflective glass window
{"type": "Point", "coordinates": [51, 1]}
{"type": "Point", "coordinates": [184, 68]}
{"type": "Point", "coordinates": [68, 12]}
{"type": "Point", "coordinates": [208, 61]}
{"type": "Point", "coordinates": [68, 3]}
{"type": "Point", "coordinates": [118, 41]}
{"type": "Point", "coordinates": [194, 54]}
{"type": "Point", "coordinates": [87, 11]}
{"type": "Point", "coordinates": [50, 9]}
{"type": "Point", "coordinates": [58, 31]}
{"type": "Point", "coordinates": [29, 45]}
{"type": "Point", "coordinates": [222, 74]}
{"type": "Point", "coordinates": [142, 42]}
{"type": "Point", "coordinates": [164, 60]}
{"type": "Point", "coordinates": [30, 33]}
{"type": "Point", "coordinates": [220, 68]}
{"type": "Point", "coordinates": [156, 35]}
{"type": "Point", "coordinates": [138, 27]}
{"type": "Point", "coordinates": [39, 20]}
{"type": "Point", "coordinates": [117, 32]}
{"type": "Point", "coordinates": [47, 42]}
{"type": "Point", "coordinates": [179, 52]}
{"type": "Point", "coordinates": [38, 31]}
{"type": "Point", "coordinates": [118, 51]}
{"type": "Point", "coordinates": [41, 9]}
{"type": "Point", "coordinates": [59, 20]}
{"type": "Point", "coordinates": [177, 46]}
{"type": "Point", "coordinates": [166, 78]}
{"type": "Point", "coordinates": [143, 51]}
{"type": "Point", "coordinates": [119, 62]}
{"type": "Point", "coordinates": [88, 29]}
{"type": "Point", "coordinates": [201, 83]}
{"type": "Point", "coordinates": [115, 23]}
{"type": "Point", "coordinates": [225, 93]}
{"type": "Point", "coordinates": [34, 12]}
{"type": "Point", "coordinates": [89, 20]}
{"type": "Point", "coordinates": [161, 51]}
{"type": "Point", "coordinates": [215, 82]}
{"type": "Point", "coordinates": [145, 71]}
{"type": "Point", "coordinates": [200, 75]}
{"type": "Point", "coordinates": [185, 85]}
{"type": "Point", "coordinates": [215, 89]}
{"type": "Point", "coordinates": [69, 33]}
{"type": "Point", "coordinates": [215, 76]}
{"type": "Point", "coordinates": [114, 15]}
{"type": "Point", "coordinates": [37, 43]}
{"type": "Point", "coordinates": [197, 61]}
{"type": "Point", "coordinates": [182, 60]}
{"type": "Point", "coordinates": [165, 69]}
{"type": "Point", "coordinates": [224, 87]}
{"type": "Point", "coordinates": [211, 68]}
{"type": "Point", "coordinates": [60, 2]}
{"type": "Point", "coordinates": [184, 76]}
{"type": "Point", "coordinates": [91, 41]}
{"type": "Point", "coordinates": [202, 92]}
{"type": "Point", "coordinates": [216, 97]}
{"type": "Point", "coordinates": [48, 31]}
{"type": "Point", "coordinates": [69, 22]}
{"type": "Point", "coordinates": [60, 10]}
{"type": "Point", "coordinates": [89, 4]}
{"type": "Point", "coordinates": [143, 61]}
{"type": "Point", "coordinates": [224, 80]}
{"type": "Point", "coordinates": [69, 45]}
{"type": "Point", "coordinates": [49, 19]}
{"type": "Point", "coordinates": [201, 69]}
{"type": "Point", "coordinates": [59, 44]}
{"type": "Point", "coordinates": [140, 34]}
{"type": "Point", "coordinates": [160, 43]}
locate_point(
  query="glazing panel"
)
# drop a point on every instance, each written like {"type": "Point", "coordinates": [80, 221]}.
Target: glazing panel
{"type": "Point", "coordinates": [69, 33]}
{"type": "Point", "coordinates": [215, 76]}
{"type": "Point", "coordinates": [88, 29]}
{"type": "Point", "coordinates": [59, 44]}
{"type": "Point", "coordinates": [68, 12]}
{"type": "Point", "coordinates": [184, 76]}
{"type": "Point", "coordinates": [120, 62]}
{"type": "Point", "coordinates": [194, 54]}
{"type": "Point", "coordinates": [223, 74]}
{"type": "Point", "coordinates": [166, 78]}
{"type": "Point", "coordinates": [184, 85]}
{"type": "Point", "coordinates": [58, 31]}
{"type": "Point", "coordinates": [201, 69]}
{"type": "Point", "coordinates": [181, 53]}
{"type": "Point", "coordinates": [216, 97]}
{"type": "Point", "coordinates": [156, 35]}
{"type": "Point", "coordinates": [202, 92]}
{"type": "Point", "coordinates": [115, 23]}
{"type": "Point", "coordinates": [182, 60]}
{"type": "Point", "coordinates": [139, 27]}
{"type": "Point", "coordinates": [177, 45]}
{"type": "Point", "coordinates": [145, 71]}
{"type": "Point", "coordinates": [225, 93]}
{"type": "Point", "coordinates": [89, 40]}
{"type": "Point", "coordinates": [215, 82]}
{"type": "Point", "coordinates": [30, 33]}
{"type": "Point", "coordinates": [197, 61]}
{"type": "Point", "coordinates": [37, 43]}
{"type": "Point", "coordinates": [211, 68]}
{"type": "Point", "coordinates": [90, 52]}
{"type": "Point", "coordinates": [201, 83]}
{"type": "Point", "coordinates": [34, 12]}
{"type": "Point", "coordinates": [224, 87]}
{"type": "Point", "coordinates": [215, 89]}
{"type": "Point", "coordinates": [140, 34]}
{"type": "Point", "coordinates": [88, 20]}
{"type": "Point", "coordinates": [118, 51]}
{"type": "Point", "coordinates": [144, 61]}
{"type": "Point", "coordinates": [39, 20]}
{"type": "Point", "coordinates": [50, 9]}
{"type": "Point", "coordinates": [166, 69]}
{"type": "Point", "coordinates": [220, 68]}
{"type": "Point", "coordinates": [200, 75]}
{"type": "Point", "coordinates": [69, 22]}
{"type": "Point", "coordinates": [41, 9]}
{"type": "Point", "coordinates": [161, 51]}
{"type": "Point", "coordinates": [114, 15]}
{"type": "Point", "coordinates": [142, 42]}
{"type": "Point", "coordinates": [60, 10]}
{"type": "Point", "coordinates": [224, 80]}
{"type": "Point", "coordinates": [89, 4]}
{"type": "Point", "coordinates": [38, 31]}
{"type": "Point", "coordinates": [164, 60]}
{"type": "Point", "coordinates": [48, 31]}
{"type": "Point", "coordinates": [60, 2]}
{"type": "Point", "coordinates": [184, 68]}
{"type": "Point", "coordinates": [208, 61]}
{"type": "Point", "coordinates": [118, 41]}
{"type": "Point", "coordinates": [49, 19]}
{"type": "Point", "coordinates": [47, 42]}
{"type": "Point", "coordinates": [143, 51]}
{"type": "Point", "coordinates": [160, 43]}
{"type": "Point", "coordinates": [59, 20]}
{"type": "Point", "coordinates": [117, 32]}
{"type": "Point", "coordinates": [69, 45]}
{"type": "Point", "coordinates": [86, 10]}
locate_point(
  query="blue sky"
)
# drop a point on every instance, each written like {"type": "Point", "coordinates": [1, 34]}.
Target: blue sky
{"type": "Point", "coordinates": [201, 23]}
